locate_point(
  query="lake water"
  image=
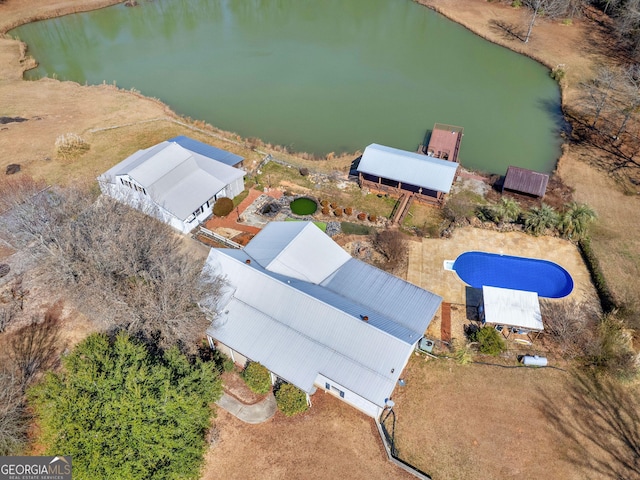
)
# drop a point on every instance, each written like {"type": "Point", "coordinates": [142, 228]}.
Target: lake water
{"type": "Point", "coordinates": [316, 76]}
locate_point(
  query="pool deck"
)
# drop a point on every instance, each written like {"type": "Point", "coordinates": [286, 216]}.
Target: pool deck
{"type": "Point", "coordinates": [426, 259]}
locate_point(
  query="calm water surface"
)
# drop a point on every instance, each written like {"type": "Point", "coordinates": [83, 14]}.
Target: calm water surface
{"type": "Point", "coordinates": [317, 76]}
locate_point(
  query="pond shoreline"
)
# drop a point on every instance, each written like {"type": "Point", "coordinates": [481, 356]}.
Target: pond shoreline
{"type": "Point", "coordinates": [64, 7]}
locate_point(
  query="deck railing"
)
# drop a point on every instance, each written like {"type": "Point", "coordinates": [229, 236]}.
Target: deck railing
{"type": "Point", "coordinates": [220, 238]}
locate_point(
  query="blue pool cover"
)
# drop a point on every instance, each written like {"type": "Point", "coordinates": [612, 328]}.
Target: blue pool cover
{"type": "Point", "coordinates": [480, 269]}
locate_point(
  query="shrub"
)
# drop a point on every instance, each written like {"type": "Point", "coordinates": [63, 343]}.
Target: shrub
{"type": "Point", "coordinates": [355, 229]}
{"type": "Point", "coordinates": [337, 212]}
{"type": "Point", "coordinates": [392, 245]}
{"type": "Point", "coordinates": [362, 216]}
{"type": "Point", "coordinates": [333, 205]}
{"type": "Point", "coordinates": [557, 74]}
{"type": "Point", "coordinates": [223, 207]}
{"type": "Point", "coordinates": [325, 210]}
{"type": "Point", "coordinates": [291, 400]}
{"type": "Point", "coordinates": [607, 299]}
{"type": "Point", "coordinates": [70, 145]}
{"type": "Point", "coordinates": [462, 353]}
{"type": "Point", "coordinates": [373, 217]}
{"type": "Point", "coordinates": [257, 377]}
{"type": "Point", "coordinates": [304, 171]}
{"type": "Point", "coordinates": [613, 352]}
{"type": "Point", "coordinates": [324, 203]}
{"type": "Point", "coordinates": [539, 219]}
{"type": "Point", "coordinates": [348, 211]}
{"type": "Point", "coordinates": [489, 340]}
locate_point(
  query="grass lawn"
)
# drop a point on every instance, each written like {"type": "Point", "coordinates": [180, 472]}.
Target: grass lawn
{"type": "Point", "coordinates": [343, 193]}
{"type": "Point", "coordinates": [321, 225]}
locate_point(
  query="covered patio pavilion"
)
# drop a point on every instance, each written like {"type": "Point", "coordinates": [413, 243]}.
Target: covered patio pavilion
{"type": "Point", "coordinates": [398, 172]}
{"type": "Point", "coordinates": [512, 311]}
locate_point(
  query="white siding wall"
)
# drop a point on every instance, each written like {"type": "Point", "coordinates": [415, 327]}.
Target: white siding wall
{"type": "Point", "coordinates": [235, 188]}
{"type": "Point", "coordinates": [238, 358]}
{"type": "Point", "coordinates": [349, 397]}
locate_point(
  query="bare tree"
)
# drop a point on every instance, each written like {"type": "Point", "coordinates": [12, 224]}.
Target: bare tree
{"type": "Point", "coordinates": [548, 8]}
{"type": "Point", "coordinates": [627, 23]}
{"type": "Point", "coordinates": [119, 265]}
{"type": "Point", "coordinates": [572, 326]}
{"type": "Point", "coordinates": [393, 246]}
{"type": "Point", "coordinates": [599, 91]}
{"type": "Point", "coordinates": [35, 348]}
{"type": "Point", "coordinates": [14, 420]}
{"type": "Point", "coordinates": [630, 90]}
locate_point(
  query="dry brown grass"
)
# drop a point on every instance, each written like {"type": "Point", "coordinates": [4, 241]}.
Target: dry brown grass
{"type": "Point", "coordinates": [453, 422]}
{"type": "Point", "coordinates": [478, 421]}
{"type": "Point", "coordinates": [331, 440]}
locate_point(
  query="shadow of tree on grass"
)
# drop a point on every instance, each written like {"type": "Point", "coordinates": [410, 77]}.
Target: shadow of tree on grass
{"type": "Point", "coordinates": [600, 418]}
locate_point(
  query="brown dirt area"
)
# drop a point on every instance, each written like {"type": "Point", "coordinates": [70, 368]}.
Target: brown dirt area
{"type": "Point", "coordinates": [492, 426]}
{"type": "Point", "coordinates": [331, 440]}
{"type": "Point", "coordinates": [453, 421]}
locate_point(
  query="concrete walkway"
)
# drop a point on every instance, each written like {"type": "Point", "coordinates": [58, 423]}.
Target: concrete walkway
{"type": "Point", "coordinates": [256, 413]}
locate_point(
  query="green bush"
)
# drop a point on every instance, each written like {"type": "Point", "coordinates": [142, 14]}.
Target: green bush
{"type": "Point", "coordinates": [557, 74]}
{"type": "Point", "coordinates": [223, 207]}
{"type": "Point", "coordinates": [124, 411]}
{"type": "Point", "coordinates": [489, 340]}
{"type": "Point", "coordinates": [291, 400]}
{"type": "Point", "coordinates": [355, 229]}
{"type": "Point", "coordinates": [257, 377]}
{"type": "Point", "coordinates": [607, 299]}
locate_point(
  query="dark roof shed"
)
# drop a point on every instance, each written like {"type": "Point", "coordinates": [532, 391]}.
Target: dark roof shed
{"type": "Point", "coordinates": [522, 180]}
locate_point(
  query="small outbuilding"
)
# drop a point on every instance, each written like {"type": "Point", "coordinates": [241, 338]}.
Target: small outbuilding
{"type": "Point", "coordinates": [528, 182]}
{"type": "Point", "coordinates": [511, 311]}
{"type": "Point", "coordinates": [398, 172]}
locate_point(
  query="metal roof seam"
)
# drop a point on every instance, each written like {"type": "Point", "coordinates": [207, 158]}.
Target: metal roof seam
{"type": "Point", "coordinates": [271, 276]}
{"type": "Point", "coordinates": [337, 352]}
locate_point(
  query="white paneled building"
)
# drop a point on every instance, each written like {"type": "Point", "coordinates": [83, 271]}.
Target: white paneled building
{"type": "Point", "coordinates": [174, 183]}
{"type": "Point", "coordinates": [301, 306]}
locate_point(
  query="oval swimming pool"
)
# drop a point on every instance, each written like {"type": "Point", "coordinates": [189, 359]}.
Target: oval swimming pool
{"type": "Point", "coordinates": [480, 269]}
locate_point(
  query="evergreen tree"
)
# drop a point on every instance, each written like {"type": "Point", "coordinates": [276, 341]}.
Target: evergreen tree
{"type": "Point", "coordinates": [124, 413]}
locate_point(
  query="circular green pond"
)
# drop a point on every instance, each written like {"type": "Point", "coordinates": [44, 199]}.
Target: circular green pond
{"type": "Point", "coordinates": [303, 206]}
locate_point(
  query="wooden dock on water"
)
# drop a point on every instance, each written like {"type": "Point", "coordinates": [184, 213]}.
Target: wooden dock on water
{"type": "Point", "coordinates": [444, 142]}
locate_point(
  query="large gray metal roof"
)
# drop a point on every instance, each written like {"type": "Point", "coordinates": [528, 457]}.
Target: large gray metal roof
{"type": "Point", "coordinates": [408, 167]}
{"type": "Point", "coordinates": [177, 179]}
{"type": "Point", "coordinates": [299, 329]}
{"type": "Point", "coordinates": [297, 249]}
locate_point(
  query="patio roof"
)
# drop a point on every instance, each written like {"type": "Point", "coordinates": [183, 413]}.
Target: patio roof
{"type": "Point", "coordinates": [408, 167]}
{"type": "Point", "coordinates": [513, 308]}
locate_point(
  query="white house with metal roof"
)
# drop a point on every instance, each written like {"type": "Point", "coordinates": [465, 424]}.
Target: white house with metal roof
{"type": "Point", "coordinates": [315, 317]}
{"type": "Point", "coordinates": [394, 171]}
{"type": "Point", "coordinates": [172, 182]}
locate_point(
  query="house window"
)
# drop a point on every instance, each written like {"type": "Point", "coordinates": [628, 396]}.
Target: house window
{"type": "Point", "coordinates": [327, 386]}
{"type": "Point", "coordinates": [198, 211]}
{"type": "Point", "coordinates": [338, 391]}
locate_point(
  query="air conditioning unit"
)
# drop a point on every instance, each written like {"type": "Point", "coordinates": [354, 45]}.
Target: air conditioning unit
{"type": "Point", "coordinates": [426, 345]}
